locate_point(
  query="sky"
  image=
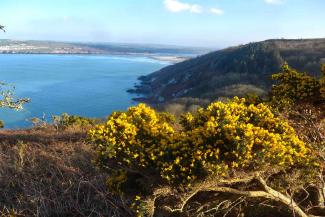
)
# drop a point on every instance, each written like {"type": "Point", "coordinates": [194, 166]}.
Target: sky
{"type": "Point", "coordinates": [198, 23]}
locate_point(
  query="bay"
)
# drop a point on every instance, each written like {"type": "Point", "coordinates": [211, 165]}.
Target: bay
{"type": "Point", "coordinates": [85, 85]}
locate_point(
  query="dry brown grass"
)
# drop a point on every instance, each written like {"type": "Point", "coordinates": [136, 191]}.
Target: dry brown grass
{"type": "Point", "coordinates": [44, 172]}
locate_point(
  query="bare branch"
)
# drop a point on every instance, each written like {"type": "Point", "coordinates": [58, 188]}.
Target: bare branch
{"type": "Point", "coordinates": [278, 196]}
{"type": "Point", "coordinates": [2, 28]}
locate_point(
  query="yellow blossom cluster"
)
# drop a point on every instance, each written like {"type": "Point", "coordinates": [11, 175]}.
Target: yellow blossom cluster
{"type": "Point", "coordinates": [218, 139]}
{"type": "Point", "coordinates": [235, 134]}
{"type": "Point", "coordinates": [133, 138]}
{"type": "Point", "coordinates": [293, 86]}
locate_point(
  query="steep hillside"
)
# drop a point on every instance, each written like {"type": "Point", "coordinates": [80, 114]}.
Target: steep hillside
{"type": "Point", "coordinates": [232, 71]}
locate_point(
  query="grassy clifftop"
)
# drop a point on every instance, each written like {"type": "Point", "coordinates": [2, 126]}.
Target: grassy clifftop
{"type": "Point", "coordinates": [44, 172]}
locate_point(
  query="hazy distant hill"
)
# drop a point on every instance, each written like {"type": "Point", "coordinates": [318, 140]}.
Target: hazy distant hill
{"type": "Point", "coordinates": [232, 71]}
{"type": "Point", "coordinates": [53, 47]}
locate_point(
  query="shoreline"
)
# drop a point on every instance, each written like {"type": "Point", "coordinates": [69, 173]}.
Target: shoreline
{"type": "Point", "coordinates": [172, 59]}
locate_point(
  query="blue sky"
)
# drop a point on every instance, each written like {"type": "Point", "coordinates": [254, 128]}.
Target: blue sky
{"type": "Point", "coordinates": [208, 23]}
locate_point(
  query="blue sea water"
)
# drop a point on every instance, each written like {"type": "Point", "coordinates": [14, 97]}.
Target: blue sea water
{"type": "Point", "coordinates": [85, 85]}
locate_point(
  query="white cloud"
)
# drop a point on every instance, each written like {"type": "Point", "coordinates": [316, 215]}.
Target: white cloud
{"type": "Point", "coordinates": [274, 2]}
{"type": "Point", "coordinates": [176, 6]}
{"type": "Point", "coordinates": [216, 11]}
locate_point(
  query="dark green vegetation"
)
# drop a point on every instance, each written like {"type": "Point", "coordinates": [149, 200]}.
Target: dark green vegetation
{"type": "Point", "coordinates": [232, 71]}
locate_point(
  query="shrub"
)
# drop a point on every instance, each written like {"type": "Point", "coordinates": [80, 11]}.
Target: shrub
{"type": "Point", "coordinates": [65, 120]}
{"type": "Point", "coordinates": [236, 134]}
{"type": "Point", "coordinates": [253, 99]}
{"type": "Point", "coordinates": [213, 141]}
{"type": "Point", "coordinates": [8, 99]}
{"type": "Point", "coordinates": [39, 122]}
{"type": "Point", "coordinates": [322, 82]}
{"type": "Point", "coordinates": [293, 86]}
{"type": "Point", "coordinates": [135, 139]}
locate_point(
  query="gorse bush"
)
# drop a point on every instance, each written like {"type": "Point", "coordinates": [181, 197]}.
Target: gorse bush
{"type": "Point", "coordinates": [213, 141]}
{"type": "Point", "coordinates": [135, 139]}
{"type": "Point", "coordinates": [242, 135]}
{"type": "Point", "coordinates": [322, 82]}
{"type": "Point", "coordinates": [241, 147]}
{"type": "Point", "coordinates": [292, 86]}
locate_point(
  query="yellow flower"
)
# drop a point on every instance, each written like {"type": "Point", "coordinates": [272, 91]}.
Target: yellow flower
{"type": "Point", "coordinates": [225, 136]}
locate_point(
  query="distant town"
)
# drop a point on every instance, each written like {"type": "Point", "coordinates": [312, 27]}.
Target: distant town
{"type": "Point", "coordinates": [39, 47]}
{"type": "Point", "coordinates": [158, 52]}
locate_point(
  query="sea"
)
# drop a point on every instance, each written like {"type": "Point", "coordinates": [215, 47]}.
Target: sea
{"type": "Point", "coordinates": [84, 85]}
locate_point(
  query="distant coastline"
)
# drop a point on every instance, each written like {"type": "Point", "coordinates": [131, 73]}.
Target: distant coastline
{"type": "Point", "coordinates": [172, 54]}
{"type": "Point", "coordinates": [171, 59]}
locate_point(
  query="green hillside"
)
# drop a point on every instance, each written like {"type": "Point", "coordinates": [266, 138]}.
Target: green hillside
{"type": "Point", "coordinates": [232, 71]}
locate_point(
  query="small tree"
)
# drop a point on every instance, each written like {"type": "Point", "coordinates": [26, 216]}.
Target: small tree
{"type": "Point", "coordinates": [7, 97]}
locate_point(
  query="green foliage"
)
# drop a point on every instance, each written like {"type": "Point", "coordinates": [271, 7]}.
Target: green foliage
{"type": "Point", "coordinates": [213, 74]}
{"type": "Point", "coordinates": [65, 121]}
{"type": "Point", "coordinates": [139, 206]}
{"type": "Point", "coordinates": [293, 86]}
{"type": "Point", "coordinates": [322, 82]}
{"type": "Point", "coordinates": [214, 141]}
{"type": "Point", "coordinates": [253, 99]}
{"type": "Point", "coordinates": [240, 90]}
